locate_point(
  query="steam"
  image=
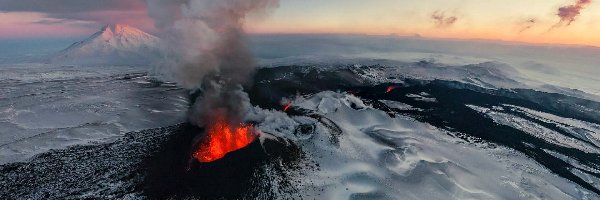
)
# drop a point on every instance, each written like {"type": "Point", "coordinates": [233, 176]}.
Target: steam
{"type": "Point", "coordinates": [441, 20]}
{"type": "Point", "coordinates": [205, 50]}
{"type": "Point", "coordinates": [569, 13]}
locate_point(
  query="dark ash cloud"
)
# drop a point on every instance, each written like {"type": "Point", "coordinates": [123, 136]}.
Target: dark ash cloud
{"type": "Point", "coordinates": [441, 20]}
{"type": "Point", "coordinates": [569, 13]}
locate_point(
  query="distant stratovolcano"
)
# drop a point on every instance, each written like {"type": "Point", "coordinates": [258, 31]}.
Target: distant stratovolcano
{"type": "Point", "coordinates": [115, 44]}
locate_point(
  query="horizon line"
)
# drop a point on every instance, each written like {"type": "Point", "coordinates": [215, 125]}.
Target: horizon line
{"type": "Point", "coordinates": [392, 35]}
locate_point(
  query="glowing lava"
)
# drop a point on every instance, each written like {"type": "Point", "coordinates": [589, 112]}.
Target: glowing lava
{"type": "Point", "coordinates": [287, 106]}
{"type": "Point", "coordinates": [390, 88]}
{"type": "Point", "coordinates": [222, 138]}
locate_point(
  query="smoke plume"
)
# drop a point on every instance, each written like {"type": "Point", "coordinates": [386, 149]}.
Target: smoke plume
{"type": "Point", "coordinates": [569, 13]}
{"type": "Point", "coordinates": [205, 50]}
{"type": "Point", "coordinates": [441, 20]}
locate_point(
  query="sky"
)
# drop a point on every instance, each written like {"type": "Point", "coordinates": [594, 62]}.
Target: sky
{"type": "Point", "coordinates": [533, 21]}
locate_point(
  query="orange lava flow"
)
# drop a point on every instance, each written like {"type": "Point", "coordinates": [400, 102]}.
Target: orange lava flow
{"type": "Point", "coordinates": [287, 106]}
{"type": "Point", "coordinates": [222, 138]}
{"type": "Point", "coordinates": [390, 88]}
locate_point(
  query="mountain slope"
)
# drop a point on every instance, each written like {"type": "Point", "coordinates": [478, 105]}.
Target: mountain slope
{"type": "Point", "coordinates": [113, 45]}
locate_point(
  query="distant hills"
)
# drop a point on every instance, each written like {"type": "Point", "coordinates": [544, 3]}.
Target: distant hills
{"type": "Point", "coordinates": [115, 44]}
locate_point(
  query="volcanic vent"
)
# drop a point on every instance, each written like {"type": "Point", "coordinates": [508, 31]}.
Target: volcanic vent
{"type": "Point", "coordinates": [205, 52]}
{"type": "Point", "coordinates": [221, 137]}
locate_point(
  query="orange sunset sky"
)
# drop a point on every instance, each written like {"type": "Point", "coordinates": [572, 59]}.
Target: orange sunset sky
{"type": "Point", "coordinates": [534, 21]}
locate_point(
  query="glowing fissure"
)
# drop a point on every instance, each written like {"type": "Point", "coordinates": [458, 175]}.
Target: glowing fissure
{"type": "Point", "coordinates": [222, 138]}
{"type": "Point", "coordinates": [287, 106]}
{"type": "Point", "coordinates": [390, 89]}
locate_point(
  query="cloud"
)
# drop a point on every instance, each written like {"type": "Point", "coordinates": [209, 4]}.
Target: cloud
{"type": "Point", "coordinates": [100, 11]}
{"type": "Point", "coordinates": [68, 6]}
{"type": "Point", "coordinates": [527, 24]}
{"type": "Point", "coordinates": [70, 22]}
{"type": "Point", "coordinates": [52, 21]}
{"type": "Point", "coordinates": [441, 20]}
{"type": "Point", "coordinates": [569, 13]}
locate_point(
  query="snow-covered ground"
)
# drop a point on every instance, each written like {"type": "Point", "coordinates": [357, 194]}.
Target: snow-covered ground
{"type": "Point", "coordinates": [45, 107]}
{"type": "Point", "coordinates": [377, 156]}
{"type": "Point", "coordinates": [363, 152]}
{"type": "Point", "coordinates": [586, 141]}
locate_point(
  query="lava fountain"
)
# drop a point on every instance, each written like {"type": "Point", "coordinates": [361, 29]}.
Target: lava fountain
{"type": "Point", "coordinates": [223, 137]}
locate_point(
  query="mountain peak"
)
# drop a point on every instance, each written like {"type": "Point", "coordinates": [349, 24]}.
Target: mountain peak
{"type": "Point", "coordinates": [114, 42]}
{"type": "Point", "coordinates": [112, 30]}
{"type": "Point", "coordinates": [119, 28]}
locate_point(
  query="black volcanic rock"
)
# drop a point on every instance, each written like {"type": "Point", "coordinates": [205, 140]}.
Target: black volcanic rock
{"type": "Point", "coordinates": [147, 164]}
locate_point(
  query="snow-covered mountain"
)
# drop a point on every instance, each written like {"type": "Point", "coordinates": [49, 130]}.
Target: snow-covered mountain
{"type": "Point", "coordinates": [115, 44]}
